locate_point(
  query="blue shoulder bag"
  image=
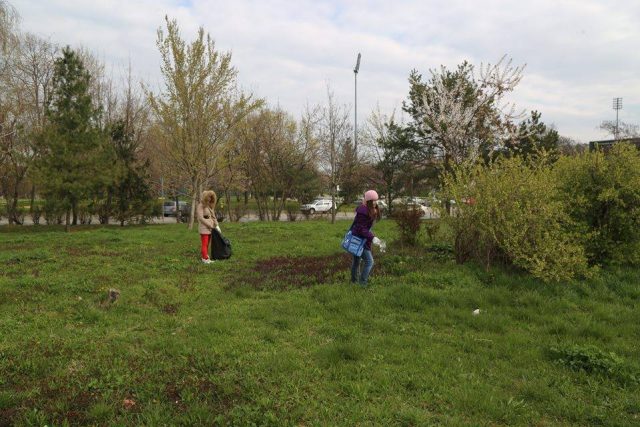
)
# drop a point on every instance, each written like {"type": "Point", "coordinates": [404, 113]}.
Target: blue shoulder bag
{"type": "Point", "coordinates": [353, 244]}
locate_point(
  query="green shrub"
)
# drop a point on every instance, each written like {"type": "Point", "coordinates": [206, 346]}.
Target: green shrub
{"type": "Point", "coordinates": [592, 360]}
{"type": "Point", "coordinates": [602, 194]}
{"type": "Point", "coordinates": [104, 208]}
{"type": "Point", "coordinates": [431, 228]}
{"type": "Point", "coordinates": [409, 220]}
{"type": "Point", "coordinates": [36, 214]}
{"type": "Point", "coordinates": [84, 212]}
{"type": "Point", "coordinates": [157, 209]}
{"type": "Point", "coordinates": [292, 212]}
{"type": "Point", "coordinates": [512, 211]}
{"type": "Point", "coordinates": [53, 211]}
{"type": "Point", "coordinates": [16, 214]}
{"type": "Point", "coordinates": [238, 211]}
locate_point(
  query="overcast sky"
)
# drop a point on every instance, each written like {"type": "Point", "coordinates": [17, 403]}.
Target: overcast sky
{"type": "Point", "coordinates": [579, 54]}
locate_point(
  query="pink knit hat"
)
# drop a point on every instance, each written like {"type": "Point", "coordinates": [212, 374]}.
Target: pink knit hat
{"type": "Point", "coordinates": [370, 195]}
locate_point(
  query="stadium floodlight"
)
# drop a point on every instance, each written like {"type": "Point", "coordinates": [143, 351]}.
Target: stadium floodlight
{"type": "Point", "coordinates": [617, 105]}
{"type": "Point", "coordinates": [355, 112]}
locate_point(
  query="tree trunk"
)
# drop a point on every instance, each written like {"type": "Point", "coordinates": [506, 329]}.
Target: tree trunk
{"type": "Point", "coordinates": [261, 210]}
{"type": "Point", "coordinates": [32, 198]}
{"type": "Point", "coordinates": [192, 214]}
{"type": "Point", "coordinates": [178, 213]}
{"type": "Point", "coordinates": [14, 207]}
{"type": "Point", "coordinates": [227, 198]}
{"type": "Point", "coordinates": [74, 208]}
{"type": "Point", "coordinates": [282, 204]}
{"type": "Point", "coordinates": [447, 168]}
{"type": "Point", "coordinates": [107, 208]}
{"type": "Point", "coordinates": [275, 216]}
{"type": "Point", "coordinates": [67, 227]}
{"type": "Point", "coordinates": [333, 203]}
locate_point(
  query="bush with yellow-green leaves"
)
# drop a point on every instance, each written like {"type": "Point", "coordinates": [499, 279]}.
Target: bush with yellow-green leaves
{"type": "Point", "coordinates": [601, 193]}
{"type": "Point", "coordinates": [512, 211]}
{"type": "Point", "coordinates": [555, 220]}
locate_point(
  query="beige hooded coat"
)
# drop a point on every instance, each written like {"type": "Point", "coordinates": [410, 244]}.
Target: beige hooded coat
{"type": "Point", "coordinates": [205, 212]}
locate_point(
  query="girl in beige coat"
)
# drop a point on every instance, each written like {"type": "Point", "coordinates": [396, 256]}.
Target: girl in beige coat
{"type": "Point", "coordinates": [206, 221]}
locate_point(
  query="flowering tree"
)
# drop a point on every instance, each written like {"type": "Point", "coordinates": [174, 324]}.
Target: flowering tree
{"type": "Point", "coordinates": [458, 115]}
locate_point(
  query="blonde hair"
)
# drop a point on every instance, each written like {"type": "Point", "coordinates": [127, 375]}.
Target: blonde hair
{"type": "Point", "coordinates": [208, 198]}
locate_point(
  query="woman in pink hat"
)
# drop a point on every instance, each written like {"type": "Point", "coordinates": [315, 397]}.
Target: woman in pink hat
{"type": "Point", "coordinates": [366, 214]}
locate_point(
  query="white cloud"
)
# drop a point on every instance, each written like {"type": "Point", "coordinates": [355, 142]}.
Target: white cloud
{"type": "Point", "coordinates": [579, 53]}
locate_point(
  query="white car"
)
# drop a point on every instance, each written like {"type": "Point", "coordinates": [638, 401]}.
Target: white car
{"type": "Point", "coordinates": [318, 205]}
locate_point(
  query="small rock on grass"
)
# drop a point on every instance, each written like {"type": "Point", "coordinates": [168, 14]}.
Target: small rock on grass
{"type": "Point", "coordinates": [113, 295]}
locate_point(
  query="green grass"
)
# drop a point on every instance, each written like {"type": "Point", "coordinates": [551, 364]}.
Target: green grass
{"type": "Point", "coordinates": [250, 341]}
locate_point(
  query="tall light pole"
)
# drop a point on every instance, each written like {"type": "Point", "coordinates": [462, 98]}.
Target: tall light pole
{"type": "Point", "coordinates": [617, 105]}
{"type": "Point", "coordinates": [355, 120]}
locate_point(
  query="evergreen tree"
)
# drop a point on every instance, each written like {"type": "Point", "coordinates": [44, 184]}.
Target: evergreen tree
{"type": "Point", "coordinates": [75, 160]}
{"type": "Point", "coordinates": [132, 192]}
{"type": "Point", "coordinates": [393, 160]}
{"type": "Point", "coordinates": [533, 136]}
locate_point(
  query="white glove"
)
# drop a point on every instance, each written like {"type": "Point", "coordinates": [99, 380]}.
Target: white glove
{"type": "Point", "coordinates": [218, 229]}
{"type": "Point", "coordinates": [381, 244]}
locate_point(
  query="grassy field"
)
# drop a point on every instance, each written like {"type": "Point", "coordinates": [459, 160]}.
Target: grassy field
{"type": "Point", "coordinates": [278, 336]}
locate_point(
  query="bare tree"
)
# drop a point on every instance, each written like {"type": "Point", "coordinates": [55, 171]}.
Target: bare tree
{"type": "Point", "coordinates": [571, 147]}
{"type": "Point", "coordinates": [8, 50]}
{"type": "Point", "coordinates": [623, 130]}
{"type": "Point", "coordinates": [8, 22]}
{"type": "Point", "coordinates": [335, 134]}
{"type": "Point", "coordinates": [310, 151]}
{"type": "Point", "coordinates": [34, 74]}
{"type": "Point", "coordinates": [276, 156]}
{"type": "Point", "coordinates": [231, 175]}
{"type": "Point", "coordinates": [26, 83]}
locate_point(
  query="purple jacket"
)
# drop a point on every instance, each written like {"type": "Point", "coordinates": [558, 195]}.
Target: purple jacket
{"type": "Point", "coordinates": [362, 225]}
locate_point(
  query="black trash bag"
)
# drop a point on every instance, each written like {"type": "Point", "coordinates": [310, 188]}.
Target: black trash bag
{"type": "Point", "coordinates": [220, 246]}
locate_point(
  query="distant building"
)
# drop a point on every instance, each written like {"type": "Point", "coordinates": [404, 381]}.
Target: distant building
{"type": "Point", "coordinates": [607, 144]}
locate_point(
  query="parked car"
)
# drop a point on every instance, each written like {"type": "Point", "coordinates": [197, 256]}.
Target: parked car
{"type": "Point", "coordinates": [169, 207]}
{"type": "Point", "coordinates": [419, 200]}
{"type": "Point", "coordinates": [318, 205]}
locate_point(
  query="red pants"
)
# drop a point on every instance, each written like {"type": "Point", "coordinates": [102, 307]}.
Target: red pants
{"type": "Point", "coordinates": [204, 250]}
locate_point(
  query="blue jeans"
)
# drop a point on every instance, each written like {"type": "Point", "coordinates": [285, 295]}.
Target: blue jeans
{"type": "Point", "coordinates": [367, 258]}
